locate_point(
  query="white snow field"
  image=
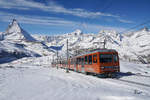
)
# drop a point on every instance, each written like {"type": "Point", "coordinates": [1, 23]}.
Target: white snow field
{"type": "Point", "coordinates": [27, 79]}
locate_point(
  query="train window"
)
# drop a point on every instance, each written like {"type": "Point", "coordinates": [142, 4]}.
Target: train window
{"type": "Point", "coordinates": [79, 61]}
{"type": "Point", "coordinates": [86, 60]}
{"type": "Point", "coordinates": [66, 62]}
{"type": "Point", "coordinates": [90, 59]}
{"type": "Point", "coordinates": [115, 57]}
{"type": "Point", "coordinates": [94, 58]}
{"type": "Point", "coordinates": [82, 60]}
{"type": "Point", "coordinates": [71, 61]}
{"type": "Point", "coordinates": [105, 58]}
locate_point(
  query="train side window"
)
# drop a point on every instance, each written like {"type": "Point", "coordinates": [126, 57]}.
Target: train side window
{"type": "Point", "coordinates": [71, 61]}
{"type": "Point", "coordinates": [90, 59]}
{"type": "Point", "coordinates": [94, 58]}
{"type": "Point", "coordinates": [86, 60]}
{"type": "Point", "coordinates": [66, 62]}
{"type": "Point", "coordinates": [115, 58]}
{"type": "Point", "coordinates": [77, 60]}
{"type": "Point", "coordinates": [82, 60]}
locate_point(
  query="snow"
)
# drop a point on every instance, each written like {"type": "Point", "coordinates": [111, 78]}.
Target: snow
{"type": "Point", "coordinates": [26, 80]}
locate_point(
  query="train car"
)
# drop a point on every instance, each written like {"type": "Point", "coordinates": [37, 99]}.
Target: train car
{"type": "Point", "coordinates": [102, 62]}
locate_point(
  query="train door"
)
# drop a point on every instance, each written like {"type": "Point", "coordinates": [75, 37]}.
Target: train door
{"type": "Point", "coordinates": [75, 64]}
{"type": "Point", "coordinates": [95, 63]}
{"type": "Point", "coordinates": [85, 63]}
{"type": "Point", "coordinates": [82, 65]}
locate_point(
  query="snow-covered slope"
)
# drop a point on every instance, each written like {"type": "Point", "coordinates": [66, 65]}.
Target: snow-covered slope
{"type": "Point", "coordinates": [138, 44]}
{"type": "Point", "coordinates": [31, 79]}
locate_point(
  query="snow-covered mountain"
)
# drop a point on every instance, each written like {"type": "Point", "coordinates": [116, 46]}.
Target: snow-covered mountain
{"type": "Point", "coordinates": [17, 43]}
{"type": "Point", "coordinates": [138, 43]}
{"type": "Point", "coordinates": [14, 30]}
{"type": "Point", "coordinates": [78, 40]}
{"type": "Point", "coordinates": [132, 47]}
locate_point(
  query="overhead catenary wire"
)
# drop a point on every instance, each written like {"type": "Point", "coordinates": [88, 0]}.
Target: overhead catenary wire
{"type": "Point", "coordinates": [109, 4]}
{"type": "Point", "coordinates": [141, 24]}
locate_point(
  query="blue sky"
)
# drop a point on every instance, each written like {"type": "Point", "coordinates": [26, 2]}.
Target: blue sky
{"type": "Point", "coordinates": [61, 16]}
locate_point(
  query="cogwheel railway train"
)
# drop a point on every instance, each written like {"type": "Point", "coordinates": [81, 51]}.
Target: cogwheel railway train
{"type": "Point", "coordinates": [102, 62]}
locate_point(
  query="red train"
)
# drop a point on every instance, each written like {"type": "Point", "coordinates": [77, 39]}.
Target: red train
{"type": "Point", "coordinates": [102, 62]}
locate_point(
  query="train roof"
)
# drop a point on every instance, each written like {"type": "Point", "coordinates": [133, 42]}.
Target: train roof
{"type": "Point", "coordinates": [90, 52]}
{"type": "Point", "coordinates": [97, 50]}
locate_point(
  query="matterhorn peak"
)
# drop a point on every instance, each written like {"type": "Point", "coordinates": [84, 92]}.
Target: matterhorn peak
{"type": "Point", "coordinates": [15, 32]}
{"type": "Point", "coordinates": [14, 22]}
{"type": "Point", "coordinates": [13, 27]}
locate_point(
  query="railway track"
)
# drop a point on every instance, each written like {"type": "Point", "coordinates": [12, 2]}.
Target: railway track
{"type": "Point", "coordinates": [142, 75]}
{"type": "Point", "coordinates": [132, 82]}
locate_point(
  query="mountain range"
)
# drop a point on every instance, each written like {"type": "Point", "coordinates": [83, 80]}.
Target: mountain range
{"type": "Point", "coordinates": [133, 46]}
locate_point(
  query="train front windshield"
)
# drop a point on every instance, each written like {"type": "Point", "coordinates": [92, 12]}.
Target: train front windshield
{"type": "Point", "coordinates": [108, 58]}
